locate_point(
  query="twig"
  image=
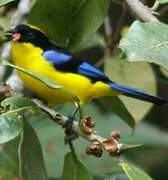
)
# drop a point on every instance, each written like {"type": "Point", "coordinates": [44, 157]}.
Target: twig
{"type": "Point", "coordinates": [141, 11]}
{"type": "Point", "coordinates": [111, 145]}
{"type": "Point", "coordinates": [120, 22]}
{"type": "Point", "coordinates": [111, 39]}
{"type": "Point", "coordinates": [108, 36]}
{"type": "Point", "coordinates": [61, 120]}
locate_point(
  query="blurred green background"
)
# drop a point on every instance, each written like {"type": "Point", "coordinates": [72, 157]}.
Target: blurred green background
{"type": "Point", "coordinates": [87, 37]}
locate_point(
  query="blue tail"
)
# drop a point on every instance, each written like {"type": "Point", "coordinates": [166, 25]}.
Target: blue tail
{"type": "Point", "coordinates": [131, 92]}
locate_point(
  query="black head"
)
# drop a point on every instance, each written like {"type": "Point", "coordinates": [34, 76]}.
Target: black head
{"type": "Point", "coordinates": [29, 34]}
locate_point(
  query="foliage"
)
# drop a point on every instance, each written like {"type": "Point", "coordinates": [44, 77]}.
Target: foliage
{"type": "Point", "coordinates": [74, 26]}
{"type": "Point", "coordinates": [32, 145]}
{"type": "Point", "coordinates": [134, 173]}
{"type": "Point", "coordinates": [3, 2]}
{"type": "Point", "coordinates": [146, 42]}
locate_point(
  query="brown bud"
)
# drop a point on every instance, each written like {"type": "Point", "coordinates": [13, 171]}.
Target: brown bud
{"type": "Point", "coordinates": [115, 135]}
{"type": "Point", "coordinates": [87, 125]}
{"type": "Point", "coordinates": [110, 145]}
{"type": "Point", "coordinates": [94, 149]}
{"type": "Point", "coordinates": [89, 122]}
{"type": "Point", "coordinates": [6, 90]}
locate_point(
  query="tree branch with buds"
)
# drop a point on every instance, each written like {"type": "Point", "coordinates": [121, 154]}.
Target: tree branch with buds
{"type": "Point", "coordinates": [86, 130]}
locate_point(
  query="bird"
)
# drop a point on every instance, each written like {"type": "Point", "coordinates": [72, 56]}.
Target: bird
{"type": "Point", "coordinates": [34, 51]}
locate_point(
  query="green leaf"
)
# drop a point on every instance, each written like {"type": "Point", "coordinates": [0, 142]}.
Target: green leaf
{"type": "Point", "coordinates": [30, 155]}
{"type": "Point", "coordinates": [41, 78]}
{"type": "Point", "coordinates": [10, 126]}
{"type": "Point", "coordinates": [74, 169]}
{"type": "Point", "coordinates": [3, 2]}
{"type": "Point", "coordinates": [134, 173]}
{"type": "Point", "coordinates": [163, 1]}
{"type": "Point", "coordinates": [146, 42]}
{"type": "Point", "coordinates": [16, 102]}
{"type": "Point", "coordinates": [11, 117]}
{"type": "Point", "coordinates": [114, 176]}
{"type": "Point", "coordinates": [69, 23]}
{"type": "Point", "coordinates": [115, 105]}
{"type": "Point", "coordinates": [9, 160]}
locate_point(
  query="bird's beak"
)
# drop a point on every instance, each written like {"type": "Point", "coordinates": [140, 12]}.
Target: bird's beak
{"type": "Point", "coordinates": [9, 33]}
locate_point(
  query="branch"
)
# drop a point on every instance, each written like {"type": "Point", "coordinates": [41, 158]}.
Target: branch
{"type": "Point", "coordinates": [86, 130]}
{"type": "Point", "coordinates": [140, 10]}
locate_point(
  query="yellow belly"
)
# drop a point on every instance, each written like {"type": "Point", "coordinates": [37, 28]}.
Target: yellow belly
{"type": "Point", "coordinates": [29, 57]}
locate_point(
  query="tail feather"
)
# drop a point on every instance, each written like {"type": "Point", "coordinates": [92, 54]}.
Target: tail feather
{"type": "Point", "coordinates": [131, 92]}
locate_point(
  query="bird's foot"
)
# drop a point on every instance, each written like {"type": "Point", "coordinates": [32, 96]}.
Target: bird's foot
{"type": "Point", "coordinates": [28, 94]}
{"type": "Point", "coordinates": [69, 134]}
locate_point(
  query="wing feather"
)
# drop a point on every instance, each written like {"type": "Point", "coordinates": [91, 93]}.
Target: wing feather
{"type": "Point", "coordinates": [66, 62]}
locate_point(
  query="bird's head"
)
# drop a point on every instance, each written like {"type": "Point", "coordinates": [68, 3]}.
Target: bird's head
{"type": "Point", "coordinates": [27, 33]}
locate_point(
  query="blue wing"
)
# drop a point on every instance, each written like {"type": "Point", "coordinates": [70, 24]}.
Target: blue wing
{"type": "Point", "coordinates": [66, 62]}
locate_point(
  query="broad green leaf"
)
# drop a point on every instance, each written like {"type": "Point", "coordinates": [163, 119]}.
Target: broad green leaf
{"type": "Point", "coordinates": [146, 42]}
{"type": "Point", "coordinates": [11, 117]}
{"type": "Point", "coordinates": [10, 126]}
{"type": "Point", "coordinates": [163, 1]}
{"type": "Point", "coordinates": [74, 169]}
{"type": "Point", "coordinates": [138, 75]}
{"type": "Point", "coordinates": [9, 168]}
{"type": "Point", "coordinates": [30, 155]}
{"type": "Point", "coordinates": [115, 105]}
{"type": "Point", "coordinates": [69, 23]}
{"type": "Point", "coordinates": [133, 172]}
{"type": "Point", "coordinates": [3, 2]}
{"type": "Point", "coordinates": [41, 78]}
{"type": "Point", "coordinates": [16, 102]}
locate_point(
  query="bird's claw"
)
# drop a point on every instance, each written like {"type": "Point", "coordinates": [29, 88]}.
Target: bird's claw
{"type": "Point", "coordinates": [71, 137]}
{"type": "Point", "coordinates": [68, 125]}
{"type": "Point", "coordinates": [69, 134]}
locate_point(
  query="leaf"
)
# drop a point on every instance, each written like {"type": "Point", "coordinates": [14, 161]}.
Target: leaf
{"type": "Point", "coordinates": [10, 126]}
{"type": "Point", "coordinates": [3, 2]}
{"type": "Point", "coordinates": [138, 75]}
{"type": "Point", "coordinates": [146, 42]}
{"type": "Point", "coordinates": [115, 105]}
{"type": "Point", "coordinates": [30, 155]}
{"type": "Point", "coordinates": [134, 173]}
{"type": "Point", "coordinates": [16, 102]}
{"type": "Point", "coordinates": [11, 117]}
{"type": "Point", "coordinates": [69, 23]}
{"type": "Point", "coordinates": [114, 176]}
{"type": "Point", "coordinates": [9, 160]}
{"type": "Point", "coordinates": [74, 169]}
{"type": "Point", "coordinates": [163, 1]}
{"type": "Point", "coordinates": [41, 78]}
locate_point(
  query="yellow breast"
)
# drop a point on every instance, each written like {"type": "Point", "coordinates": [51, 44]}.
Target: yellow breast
{"type": "Point", "coordinates": [27, 56]}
